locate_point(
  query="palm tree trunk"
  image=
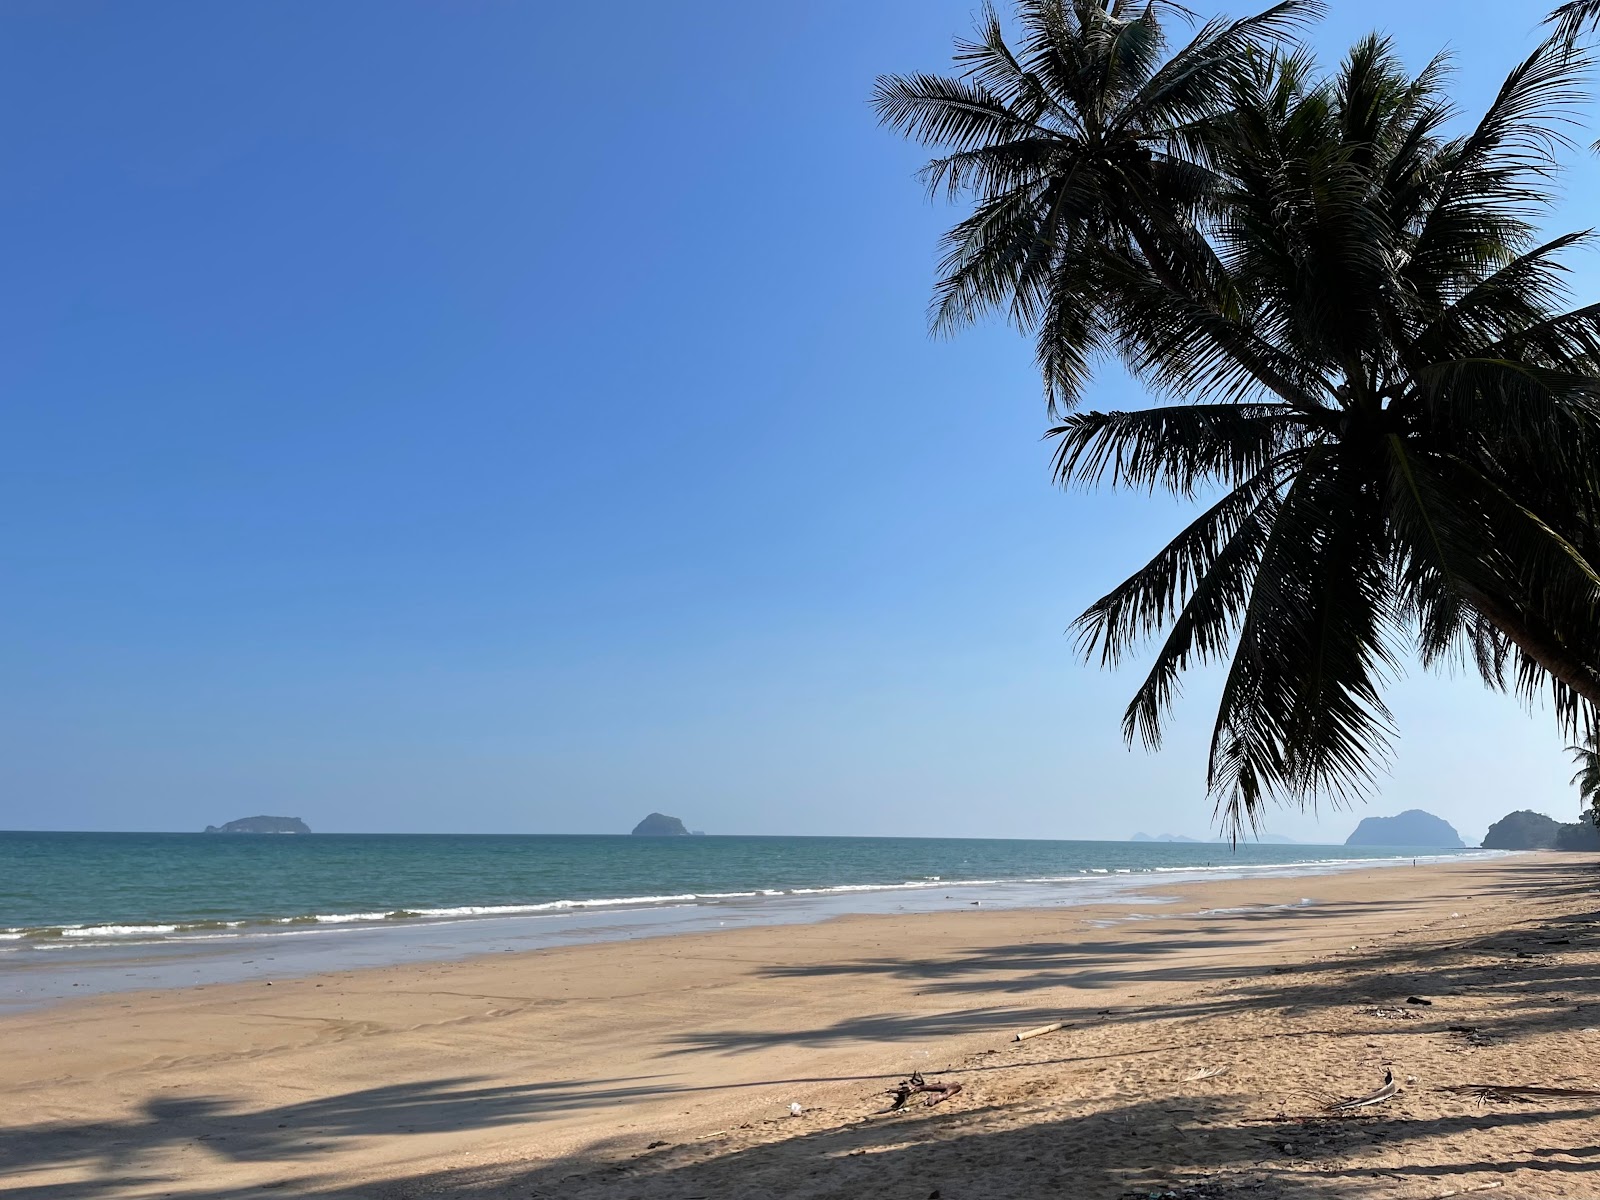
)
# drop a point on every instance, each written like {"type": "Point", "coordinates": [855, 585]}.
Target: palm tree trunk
{"type": "Point", "coordinates": [1541, 645]}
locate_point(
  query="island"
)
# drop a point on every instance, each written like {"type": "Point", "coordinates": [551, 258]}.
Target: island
{"type": "Point", "coordinates": [1529, 830]}
{"type": "Point", "coordinates": [1410, 828]}
{"type": "Point", "coordinates": [660, 825]}
{"type": "Point", "coordinates": [1522, 830]}
{"type": "Point", "coordinates": [262, 825]}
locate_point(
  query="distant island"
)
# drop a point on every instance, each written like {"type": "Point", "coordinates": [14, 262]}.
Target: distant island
{"type": "Point", "coordinates": [262, 825]}
{"type": "Point", "coordinates": [1529, 830]}
{"type": "Point", "coordinates": [660, 825]}
{"type": "Point", "coordinates": [1161, 837]}
{"type": "Point", "coordinates": [1410, 828]}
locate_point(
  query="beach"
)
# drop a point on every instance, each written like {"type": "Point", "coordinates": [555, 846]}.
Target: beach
{"type": "Point", "coordinates": [1205, 1026]}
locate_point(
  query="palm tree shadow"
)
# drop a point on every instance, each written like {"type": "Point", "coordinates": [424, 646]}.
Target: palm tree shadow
{"type": "Point", "coordinates": [230, 1130]}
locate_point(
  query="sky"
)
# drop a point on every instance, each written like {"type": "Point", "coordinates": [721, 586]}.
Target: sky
{"type": "Point", "coordinates": [516, 417]}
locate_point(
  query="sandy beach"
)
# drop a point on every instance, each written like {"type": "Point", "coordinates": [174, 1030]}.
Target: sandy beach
{"type": "Point", "coordinates": [1204, 1033]}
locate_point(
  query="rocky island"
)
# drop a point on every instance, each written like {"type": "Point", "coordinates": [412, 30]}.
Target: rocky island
{"type": "Point", "coordinates": [262, 825]}
{"type": "Point", "coordinates": [1522, 830]}
{"type": "Point", "coordinates": [1529, 830]}
{"type": "Point", "coordinates": [660, 825]}
{"type": "Point", "coordinates": [1410, 828]}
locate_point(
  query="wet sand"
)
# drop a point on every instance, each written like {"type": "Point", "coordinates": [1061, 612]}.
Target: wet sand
{"type": "Point", "coordinates": [1202, 1031]}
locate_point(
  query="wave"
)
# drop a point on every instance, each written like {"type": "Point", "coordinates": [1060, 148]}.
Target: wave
{"type": "Point", "coordinates": [162, 932]}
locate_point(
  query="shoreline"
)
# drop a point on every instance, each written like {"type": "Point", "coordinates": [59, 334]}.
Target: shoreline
{"type": "Point", "coordinates": [39, 973]}
{"type": "Point", "coordinates": [551, 1072]}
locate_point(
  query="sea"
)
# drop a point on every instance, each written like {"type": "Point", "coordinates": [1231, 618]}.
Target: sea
{"type": "Point", "coordinates": [85, 913]}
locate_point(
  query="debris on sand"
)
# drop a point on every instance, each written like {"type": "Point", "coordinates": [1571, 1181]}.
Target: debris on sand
{"type": "Point", "coordinates": [932, 1093]}
{"type": "Point", "coordinates": [1390, 1012]}
{"type": "Point", "coordinates": [1483, 1093]}
{"type": "Point", "coordinates": [1387, 1092]}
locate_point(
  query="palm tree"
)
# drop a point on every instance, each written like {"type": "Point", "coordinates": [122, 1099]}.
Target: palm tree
{"type": "Point", "coordinates": [1082, 139]}
{"type": "Point", "coordinates": [1587, 777]}
{"type": "Point", "coordinates": [1391, 414]}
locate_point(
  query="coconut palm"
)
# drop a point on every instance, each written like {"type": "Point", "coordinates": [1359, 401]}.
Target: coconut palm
{"type": "Point", "coordinates": [1086, 137]}
{"type": "Point", "coordinates": [1389, 410]}
{"type": "Point", "coordinates": [1587, 777]}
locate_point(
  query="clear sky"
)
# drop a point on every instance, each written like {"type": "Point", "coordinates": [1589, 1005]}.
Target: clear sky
{"type": "Point", "coordinates": [516, 417]}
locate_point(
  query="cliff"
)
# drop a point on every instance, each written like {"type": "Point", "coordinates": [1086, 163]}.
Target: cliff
{"type": "Point", "coordinates": [1410, 828]}
{"type": "Point", "coordinates": [262, 825]}
{"type": "Point", "coordinates": [660, 825]}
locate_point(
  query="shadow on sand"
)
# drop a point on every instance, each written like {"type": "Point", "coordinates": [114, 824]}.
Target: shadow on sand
{"type": "Point", "coordinates": [1205, 1141]}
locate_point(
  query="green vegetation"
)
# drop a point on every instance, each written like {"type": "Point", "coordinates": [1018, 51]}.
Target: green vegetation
{"type": "Point", "coordinates": [1587, 777]}
{"type": "Point", "coordinates": [1370, 372]}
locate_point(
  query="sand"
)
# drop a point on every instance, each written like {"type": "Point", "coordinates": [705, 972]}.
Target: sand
{"type": "Point", "coordinates": [1200, 1047]}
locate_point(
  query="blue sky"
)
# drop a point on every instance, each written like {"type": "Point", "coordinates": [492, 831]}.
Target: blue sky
{"type": "Point", "coordinates": [518, 417]}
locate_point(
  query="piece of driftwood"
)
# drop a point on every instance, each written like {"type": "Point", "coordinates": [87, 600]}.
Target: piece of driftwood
{"type": "Point", "coordinates": [1039, 1031]}
{"type": "Point", "coordinates": [1484, 1092]}
{"type": "Point", "coordinates": [932, 1093]}
{"type": "Point", "coordinates": [1387, 1092]}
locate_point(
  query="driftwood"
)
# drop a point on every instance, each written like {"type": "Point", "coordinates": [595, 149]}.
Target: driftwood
{"type": "Point", "coordinates": [1039, 1031]}
{"type": "Point", "coordinates": [1387, 1092]}
{"type": "Point", "coordinates": [1484, 1092]}
{"type": "Point", "coordinates": [932, 1093]}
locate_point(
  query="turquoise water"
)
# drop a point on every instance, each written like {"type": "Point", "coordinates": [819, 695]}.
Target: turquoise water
{"type": "Point", "coordinates": [86, 913]}
{"type": "Point", "coordinates": [95, 888]}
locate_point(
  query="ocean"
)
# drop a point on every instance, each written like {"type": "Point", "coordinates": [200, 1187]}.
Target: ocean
{"type": "Point", "coordinates": [101, 911]}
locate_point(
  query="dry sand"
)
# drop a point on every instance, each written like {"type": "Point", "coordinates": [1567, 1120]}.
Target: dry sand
{"type": "Point", "coordinates": [1199, 1052]}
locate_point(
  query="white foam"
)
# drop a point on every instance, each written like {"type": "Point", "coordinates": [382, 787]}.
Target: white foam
{"type": "Point", "coordinates": [916, 885]}
{"type": "Point", "coordinates": [44, 937]}
{"type": "Point", "coordinates": [84, 931]}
